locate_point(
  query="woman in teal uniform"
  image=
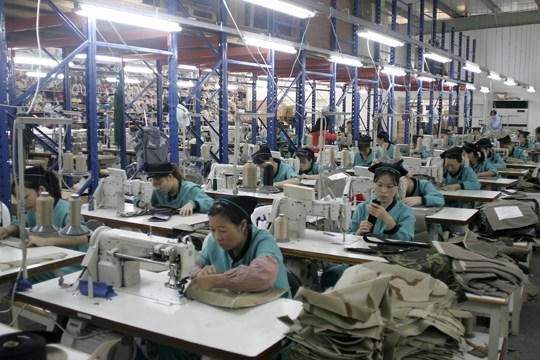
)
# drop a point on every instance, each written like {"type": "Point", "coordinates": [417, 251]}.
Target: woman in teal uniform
{"type": "Point", "coordinates": [309, 168]}
{"type": "Point", "coordinates": [513, 151]}
{"type": "Point", "coordinates": [477, 161]}
{"type": "Point", "coordinates": [283, 172]}
{"type": "Point", "coordinates": [172, 190]}
{"type": "Point", "coordinates": [36, 181]}
{"type": "Point", "coordinates": [383, 140]}
{"type": "Point", "coordinates": [364, 156]}
{"type": "Point", "coordinates": [418, 192]}
{"type": "Point", "coordinates": [383, 216]}
{"type": "Point", "coordinates": [524, 143]}
{"type": "Point", "coordinates": [457, 176]}
{"type": "Point", "coordinates": [486, 147]}
{"type": "Point", "coordinates": [424, 151]}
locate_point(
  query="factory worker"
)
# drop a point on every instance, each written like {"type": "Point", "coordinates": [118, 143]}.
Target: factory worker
{"type": "Point", "coordinates": [486, 147]}
{"type": "Point", "coordinates": [283, 172]}
{"type": "Point", "coordinates": [320, 129]}
{"type": "Point", "coordinates": [309, 168]}
{"type": "Point", "coordinates": [477, 161]}
{"type": "Point", "coordinates": [390, 218]}
{"type": "Point", "coordinates": [383, 140]}
{"type": "Point", "coordinates": [36, 181]}
{"type": "Point", "coordinates": [494, 121]}
{"type": "Point", "coordinates": [524, 143]}
{"type": "Point", "coordinates": [448, 133]}
{"type": "Point", "coordinates": [536, 139]}
{"type": "Point", "coordinates": [424, 151]}
{"type": "Point", "coordinates": [364, 156]}
{"type": "Point", "coordinates": [513, 151]}
{"type": "Point", "coordinates": [456, 175]}
{"type": "Point", "coordinates": [418, 192]}
{"type": "Point", "coordinates": [476, 131]}
{"type": "Point", "coordinates": [172, 190]}
{"type": "Point", "coordinates": [238, 256]}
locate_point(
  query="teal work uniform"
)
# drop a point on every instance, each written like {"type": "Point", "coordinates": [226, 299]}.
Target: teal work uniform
{"type": "Point", "coordinates": [60, 219]}
{"type": "Point", "coordinates": [528, 146]}
{"type": "Point", "coordinates": [389, 153]}
{"type": "Point", "coordinates": [402, 214]}
{"type": "Point", "coordinates": [485, 166]}
{"type": "Point", "coordinates": [284, 172]}
{"type": "Point", "coordinates": [497, 160]}
{"type": "Point", "coordinates": [425, 152]}
{"type": "Point", "coordinates": [314, 170]}
{"type": "Point", "coordinates": [188, 192]}
{"type": "Point", "coordinates": [404, 230]}
{"type": "Point", "coordinates": [467, 180]}
{"type": "Point", "coordinates": [360, 161]}
{"type": "Point", "coordinates": [518, 153]}
{"type": "Point", "coordinates": [536, 140]}
{"type": "Point", "coordinates": [259, 243]}
{"type": "Point", "coordinates": [425, 189]}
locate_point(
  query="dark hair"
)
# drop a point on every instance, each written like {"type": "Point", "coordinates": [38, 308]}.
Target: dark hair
{"type": "Point", "coordinates": [262, 156]}
{"type": "Point", "coordinates": [473, 149]}
{"type": "Point", "coordinates": [235, 209]}
{"type": "Point", "coordinates": [175, 171]}
{"type": "Point", "coordinates": [384, 136]}
{"type": "Point", "coordinates": [320, 124]}
{"type": "Point", "coordinates": [394, 175]}
{"type": "Point", "coordinates": [36, 176]}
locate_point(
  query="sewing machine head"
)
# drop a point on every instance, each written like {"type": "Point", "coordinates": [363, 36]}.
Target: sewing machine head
{"type": "Point", "coordinates": [114, 256]}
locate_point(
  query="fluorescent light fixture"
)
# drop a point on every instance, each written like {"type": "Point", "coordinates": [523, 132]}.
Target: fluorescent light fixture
{"type": "Point", "coordinates": [35, 74]}
{"type": "Point", "coordinates": [510, 82]}
{"type": "Point", "coordinates": [112, 79]}
{"type": "Point", "coordinates": [138, 69]}
{"type": "Point", "coordinates": [393, 70]}
{"type": "Point", "coordinates": [449, 83]}
{"type": "Point", "coordinates": [472, 67]}
{"type": "Point", "coordinates": [267, 44]}
{"type": "Point", "coordinates": [425, 78]}
{"type": "Point", "coordinates": [363, 91]}
{"type": "Point", "coordinates": [380, 38]}
{"type": "Point", "coordinates": [101, 58]}
{"type": "Point", "coordinates": [345, 60]}
{"type": "Point", "coordinates": [123, 17]}
{"type": "Point", "coordinates": [284, 7]}
{"type": "Point", "coordinates": [494, 76]}
{"type": "Point", "coordinates": [469, 86]}
{"type": "Point", "coordinates": [185, 84]}
{"type": "Point", "coordinates": [188, 67]}
{"type": "Point", "coordinates": [531, 89]}
{"type": "Point", "coordinates": [437, 57]}
{"type": "Point", "coordinates": [484, 89]}
{"type": "Point", "coordinates": [34, 60]}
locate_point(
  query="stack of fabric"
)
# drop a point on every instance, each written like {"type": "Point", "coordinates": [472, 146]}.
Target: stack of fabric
{"type": "Point", "coordinates": [379, 311]}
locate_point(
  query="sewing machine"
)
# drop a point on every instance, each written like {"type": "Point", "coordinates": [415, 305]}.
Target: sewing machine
{"type": "Point", "coordinates": [117, 181]}
{"type": "Point", "coordinates": [114, 256]}
{"type": "Point", "coordinates": [336, 212]}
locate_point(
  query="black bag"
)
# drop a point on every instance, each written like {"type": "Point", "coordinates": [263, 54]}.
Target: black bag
{"type": "Point", "coordinates": [509, 218]}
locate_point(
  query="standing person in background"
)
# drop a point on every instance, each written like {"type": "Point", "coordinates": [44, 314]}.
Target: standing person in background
{"type": "Point", "coordinates": [524, 143]}
{"type": "Point", "coordinates": [383, 140]}
{"type": "Point", "coordinates": [318, 130]}
{"type": "Point", "coordinates": [364, 156]}
{"type": "Point", "coordinates": [486, 147]}
{"type": "Point", "coordinates": [494, 122]}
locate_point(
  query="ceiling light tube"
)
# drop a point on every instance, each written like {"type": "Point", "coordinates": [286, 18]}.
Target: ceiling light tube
{"type": "Point", "coordinates": [510, 82]}
{"type": "Point", "coordinates": [469, 86]}
{"type": "Point", "coordinates": [112, 79]}
{"type": "Point", "coordinates": [380, 38]}
{"type": "Point", "coordinates": [187, 67]}
{"type": "Point", "coordinates": [494, 76]}
{"type": "Point", "coordinates": [363, 91]}
{"type": "Point", "coordinates": [185, 84]}
{"type": "Point", "coordinates": [101, 58]}
{"type": "Point", "coordinates": [268, 44]}
{"type": "Point", "coordinates": [345, 60]}
{"type": "Point", "coordinates": [437, 57]}
{"type": "Point", "coordinates": [393, 70]}
{"type": "Point", "coordinates": [484, 89]}
{"type": "Point", "coordinates": [449, 83]}
{"type": "Point", "coordinates": [472, 67]}
{"type": "Point", "coordinates": [123, 17]}
{"type": "Point", "coordinates": [34, 60]}
{"type": "Point", "coordinates": [36, 74]}
{"type": "Point", "coordinates": [284, 7]}
{"type": "Point", "coordinates": [425, 78]}
{"type": "Point", "coordinates": [138, 69]}
{"type": "Point", "coordinates": [531, 89]}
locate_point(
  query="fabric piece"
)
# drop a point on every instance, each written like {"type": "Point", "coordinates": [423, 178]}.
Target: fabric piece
{"type": "Point", "coordinates": [233, 300]}
{"type": "Point", "coordinates": [101, 289]}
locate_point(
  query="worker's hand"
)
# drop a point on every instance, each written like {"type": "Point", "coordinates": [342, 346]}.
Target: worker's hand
{"type": "Point", "coordinates": [187, 209]}
{"type": "Point", "coordinates": [412, 201]}
{"type": "Point", "coordinates": [378, 211]}
{"type": "Point", "coordinates": [208, 270]}
{"type": "Point", "coordinates": [364, 228]}
{"type": "Point", "coordinates": [452, 187]}
{"type": "Point", "coordinates": [34, 240]}
{"type": "Point", "coordinates": [207, 282]}
{"type": "Point", "coordinates": [144, 205]}
{"type": "Point", "coordinates": [4, 233]}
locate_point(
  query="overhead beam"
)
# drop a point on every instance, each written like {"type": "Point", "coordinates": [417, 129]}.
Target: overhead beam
{"type": "Point", "coordinates": [489, 21]}
{"type": "Point", "coordinates": [448, 10]}
{"type": "Point", "coordinates": [492, 6]}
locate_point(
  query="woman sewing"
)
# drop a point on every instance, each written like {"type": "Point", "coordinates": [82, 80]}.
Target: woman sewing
{"type": "Point", "coordinates": [283, 172]}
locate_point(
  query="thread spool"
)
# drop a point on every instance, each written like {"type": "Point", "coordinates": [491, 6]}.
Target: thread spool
{"type": "Point", "coordinates": [23, 346]}
{"type": "Point", "coordinates": [419, 143]}
{"type": "Point", "coordinates": [249, 179]}
{"type": "Point", "coordinates": [332, 156]}
{"type": "Point", "coordinates": [345, 158]}
{"type": "Point", "coordinates": [245, 148]}
{"type": "Point", "coordinates": [384, 151]}
{"type": "Point", "coordinates": [396, 153]}
{"type": "Point", "coordinates": [309, 140]}
{"type": "Point", "coordinates": [205, 151]}
{"type": "Point", "coordinates": [281, 229]}
{"type": "Point", "coordinates": [444, 142]}
{"type": "Point", "coordinates": [44, 209]}
{"type": "Point", "coordinates": [120, 202]}
{"type": "Point", "coordinates": [80, 163]}
{"type": "Point", "coordinates": [430, 143]}
{"type": "Point", "coordinates": [256, 148]}
{"type": "Point", "coordinates": [193, 150]}
{"type": "Point", "coordinates": [68, 161]}
{"type": "Point", "coordinates": [421, 132]}
{"type": "Point", "coordinates": [268, 175]}
{"type": "Point", "coordinates": [349, 139]}
{"type": "Point", "coordinates": [74, 206]}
